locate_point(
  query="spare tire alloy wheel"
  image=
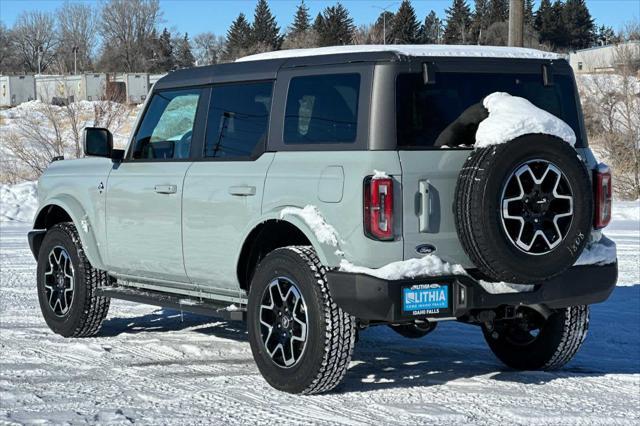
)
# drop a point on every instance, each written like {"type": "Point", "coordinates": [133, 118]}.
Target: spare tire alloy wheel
{"type": "Point", "coordinates": [283, 320]}
{"type": "Point", "coordinates": [537, 207]}
{"type": "Point", "coordinates": [524, 209]}
{"type": "Point", "coordinates": [59, 280]}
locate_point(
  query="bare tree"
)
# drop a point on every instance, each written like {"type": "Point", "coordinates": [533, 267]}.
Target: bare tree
{"type": "Point", "coordinates": [7, 57]}
{"type": "Point", "coordinates": [127, 27]}
{"type": "Point", "coordinates": [34, 38]}
{"type": "Point", "coordinates": [611, 104]}
{"type": "Point", "coordinates": [77, 26]}
{"type": "Point", "coordinates": [209, 48]}
{"type": "Point", "coordinates": [38, 140]}
{"type": "Point", "coordinates": [301, 40]}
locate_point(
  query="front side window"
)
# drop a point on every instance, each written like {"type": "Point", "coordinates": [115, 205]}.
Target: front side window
{"type": "Point", "coordinates": [166, 129]}
{"type": "Point", "coordinates": [238, 120]}
{"type": "Point", "coordinates": [322, 109]}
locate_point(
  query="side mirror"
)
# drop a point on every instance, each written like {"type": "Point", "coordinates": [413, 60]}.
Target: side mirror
{"type": "Point", "coordinates": [98, 142]}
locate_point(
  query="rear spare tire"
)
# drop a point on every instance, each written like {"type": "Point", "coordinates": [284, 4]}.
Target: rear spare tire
{"type": "Point", "coordinates": [523, 209]}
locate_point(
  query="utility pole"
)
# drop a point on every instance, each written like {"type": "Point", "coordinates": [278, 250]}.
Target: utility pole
{"type": "Point", "coordinates": [516, 23]}
{"type": "Point", "coordinates": [39, 50]}
{"type": "Point", "coordinates": [75, 60]}
{"type": "Point", "coordinates": [384, 20]}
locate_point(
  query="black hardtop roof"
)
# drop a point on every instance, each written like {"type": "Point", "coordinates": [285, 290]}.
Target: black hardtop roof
{"type": "Point", "coordinates": [267, 69]}
{"type": "Point", "coordinates": [262, 69]}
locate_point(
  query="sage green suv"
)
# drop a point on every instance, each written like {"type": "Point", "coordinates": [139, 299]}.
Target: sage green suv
{"type": "Point", "coordinates": [319, 192]}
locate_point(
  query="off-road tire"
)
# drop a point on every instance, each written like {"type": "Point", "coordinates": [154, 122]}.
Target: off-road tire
{"type": "Point", "coordinates": [558, 341]}
{"type": "Point", "coordinates": [331, 331]}
{"type": "Point", "coordinates": [413, 331]}
{"type": "Point", "coordinates": [87, 310]}
{"type": "Point", "coordinates": [477, 210]}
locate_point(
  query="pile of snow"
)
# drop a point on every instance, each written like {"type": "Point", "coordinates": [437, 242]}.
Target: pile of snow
{"type": "Point", "coordinates": [325, 233]}
{"type": "Point", "coordinates": [18, 202]}
{"type": "Point", "coordinates": [411, 50]}
{"type": "Point", "coordinates": [377, 174]}
{"type": "Point", "coordinates": [429, 265]}
{"type": "Point", "coordinates": [512, 116]}
{"type": "Point", "coordinates": [503, 287]}
{"type": "Point", "coordinates": [602, 251]}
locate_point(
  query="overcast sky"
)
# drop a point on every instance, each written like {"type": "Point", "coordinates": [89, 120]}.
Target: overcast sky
{"type": "Point", "coordinates": [196, 16]}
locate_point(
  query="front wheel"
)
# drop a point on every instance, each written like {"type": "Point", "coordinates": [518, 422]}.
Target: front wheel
{"type": "Point", "coordinates": [301, 340]}
{"type": "Point", "coordinates": [533, 343]}
{"type": "Point", "coordinates": [68, 285]}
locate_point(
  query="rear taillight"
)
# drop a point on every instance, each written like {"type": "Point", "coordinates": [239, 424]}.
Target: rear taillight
{"type": "Point", "coordinates": [603, 204]}
{"type": "Point", "coordinates": [378, 208]}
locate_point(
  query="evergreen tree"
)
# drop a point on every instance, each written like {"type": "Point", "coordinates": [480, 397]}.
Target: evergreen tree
{"type": "Point", "coordinates": [265, 30]}
{"type": "Point", "coordinates": [432, 29]}
{"type": "Point", "coordinates": [545, 22]}
{"type": "Point", "coordinates": [498, 11]}
{"type": "Point", "coordinates": [580, 28]}
{"type": "Point", "coordinates": [457, 30]}
{"type": "Point", "coordinates": [557, 26]}
{"type": "Point", "coordinates": [301, 22]}
{"type": "Point", "coordinates": [605, 36]}
{"type": "Point", "coordinates": [481, 20]}
{"type": "Point", "coordinates": [336, 27]}
{"type": "Point", "coordinates": [406, 29]}
{"type": "Point", "coordinates": [238, 37]}
{"type": "Point", "coordinates": [183, 56]}
{"type": "Point", "coordinates": [318, 23]}
{"type": "Point", "coordinates": [164, 52]}
{"type": "Point", "coordinates": [528, 13]}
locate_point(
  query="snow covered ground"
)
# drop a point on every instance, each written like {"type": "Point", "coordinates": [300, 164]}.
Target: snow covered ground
{"type": "Point", "coordinates": [162, 366]}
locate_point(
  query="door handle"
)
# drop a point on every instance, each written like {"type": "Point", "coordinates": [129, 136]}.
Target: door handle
{"type": "Point", "coordinates": [243, 190]}
{"type": "Point", "coordinates": [425, 207]}
{"type": "Point", "coordinates": [166, 189]}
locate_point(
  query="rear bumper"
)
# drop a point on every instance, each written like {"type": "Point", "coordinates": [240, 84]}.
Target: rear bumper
{"type": "Point", "coordinates": [374, 299]}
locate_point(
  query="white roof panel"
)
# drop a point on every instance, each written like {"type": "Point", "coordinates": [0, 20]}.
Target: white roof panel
{"type": "Point", "coordinates": [412, 50]}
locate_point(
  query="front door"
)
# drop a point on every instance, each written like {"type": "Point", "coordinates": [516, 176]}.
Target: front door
{"type": "Point", "coordinates": [223, 190]}
{"type": "Point", "coordinates": [144, 192]}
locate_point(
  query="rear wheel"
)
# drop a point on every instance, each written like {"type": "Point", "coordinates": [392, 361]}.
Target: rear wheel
{"type": "Point", "coordinates": [68, 285]}
{"type": "Point", "coordinates": [300, 339]}
{"type": "Point", "coordinates": [533, 343]}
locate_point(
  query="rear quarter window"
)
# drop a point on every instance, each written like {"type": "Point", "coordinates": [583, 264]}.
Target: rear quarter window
{"type": "Point", "coordinates": [322, 109]}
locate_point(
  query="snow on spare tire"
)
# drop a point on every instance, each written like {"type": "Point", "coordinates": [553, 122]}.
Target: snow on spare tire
{"type": "Point", "coordinates": [523, 201]}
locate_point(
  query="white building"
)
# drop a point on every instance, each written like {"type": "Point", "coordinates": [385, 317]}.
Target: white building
{"type": "Point", "coordinates": [15, 89]}
{"type": "Point", "coordinates": [62, 89]}
{"type": "Point", "coordinates": [603, 58]}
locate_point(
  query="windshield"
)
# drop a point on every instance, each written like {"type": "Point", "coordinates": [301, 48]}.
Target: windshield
{"type": "Point", "coordinates": [424, 111]}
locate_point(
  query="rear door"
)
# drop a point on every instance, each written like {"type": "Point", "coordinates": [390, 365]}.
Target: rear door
{"type": "Point", "coordinates": [223, 189]}
{"type": "Point", "coordinates": [144, 192]}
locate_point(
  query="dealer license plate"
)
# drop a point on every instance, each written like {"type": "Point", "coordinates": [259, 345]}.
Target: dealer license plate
{"type": "Point", "coordinates": [425, 299]}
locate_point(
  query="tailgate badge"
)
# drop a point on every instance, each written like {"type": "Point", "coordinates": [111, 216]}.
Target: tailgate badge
{"type": "Point", "coordinates": [425, 249]}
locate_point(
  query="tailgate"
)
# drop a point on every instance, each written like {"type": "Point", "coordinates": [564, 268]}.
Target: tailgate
{"type": "Point", "coordinates": [428, 186]}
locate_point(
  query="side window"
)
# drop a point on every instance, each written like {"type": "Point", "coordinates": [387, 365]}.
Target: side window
{"type": "Point", "coordinates": [167, 126]}
{"type": "Point", "coordinates": [238, 119]}
{"type": "Point", "coordinates": [322, 109]}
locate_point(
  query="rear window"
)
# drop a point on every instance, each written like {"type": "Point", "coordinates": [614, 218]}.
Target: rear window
{"type": "Point", "coordinates": [322, 109]}
{"type": "Point", "coordinates": [425, 110]}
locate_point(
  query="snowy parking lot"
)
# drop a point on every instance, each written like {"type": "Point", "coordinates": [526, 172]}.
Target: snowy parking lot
{"type": "Point", "coordinates": [154, 366]}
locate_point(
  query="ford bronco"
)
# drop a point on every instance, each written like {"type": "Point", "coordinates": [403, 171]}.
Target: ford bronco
{"type": "Point", "coordinates": [315, 193]}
